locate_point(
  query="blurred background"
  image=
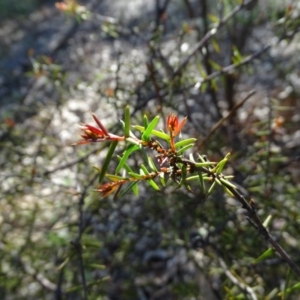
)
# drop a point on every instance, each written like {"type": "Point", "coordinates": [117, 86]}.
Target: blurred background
{"type": "Point", "coordinates": [196, 58]}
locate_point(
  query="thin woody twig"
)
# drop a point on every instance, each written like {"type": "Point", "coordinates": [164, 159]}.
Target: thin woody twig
{"type": "Point", "coordinates": [151, 71]}
{"type": "Point", "coordinates": [225, 70]}
{"type": "Point", "coordinates": [77, 242]}
{"type": "Point", "coordinates": [233, 67]}
{"type": "Point", "coordinates": [228, 116]}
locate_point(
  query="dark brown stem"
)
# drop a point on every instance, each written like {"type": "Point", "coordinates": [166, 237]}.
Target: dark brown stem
{"type": "Point", "coordinates": [151, 71]}
{"type": "Point", "coordinates": [260, 227]}
{"type": "Point", "coordinates": [252, 213]}
{"type": "Point", "coordinates": [206, 57]}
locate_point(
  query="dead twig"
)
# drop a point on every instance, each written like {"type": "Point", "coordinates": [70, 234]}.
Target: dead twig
{"type": "Point", "coordinates": [226, 117]}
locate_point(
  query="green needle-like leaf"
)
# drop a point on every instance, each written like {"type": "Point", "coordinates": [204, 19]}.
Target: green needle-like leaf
{"type": "Point", "coordinates": [186, 142]}
{"type": "Point", "coordinates": [183, 176]}
{"type": "Point", "coordinates": [131, 138]}
{"type": "Point", "coordinates": [183, 179]}
{"type": "Point", "coordinates": [150, 181]}
{"type": "Point", "coordinates": [226, 189]}
{"type": "Point", "coordinates": [157, 133]}
{"type": "Point", "coordinates": [135, 188]}
{"type": "Point", "coordinates": [145, 156]}
{"type": "Point", "coordinates": [148, 131]}
{"type": "Point", "coordinates": [114, 178]}
{"type": "Point", "coordinates": [144, 169]}
{"type": "Point", "coordinates": [97, 169]}
{"type": "Point", "coordinates": [287, 281]}
{"type": "Point", "coordinates": [202, 158]}
{"type": "Point", "coordinates": [153, 184]}
{"type": "Point", "coordinates": [162, 179]}
{"type": "Point", "coordinates": [202, 184]}
{"type": "Point", "coordinates": [227, 183]}
{"type": "Point", "coordinates": [133, 185]}
{"type": "Point", "coordinates": [268, 253]}
{"type": "Point", "coordinates": [267, 221]}
{"type": "Point", "coordinates": [183, 149]}
{"type": "Point", "coordinates": [109, 155]}
{"type": "Point", "coordinates": [145, 120]}
{"type": "Point", "coordinates": [211, 188]}
{"type": "Point", "coordinates": [205, 164]}
{"type": "Point", "coordinates": [131, 148]}
{"type": "Point", "coordinates": [127, 122]}
{"type": "Point", "coordinates": [152, 164]}
{"type": "Point", "coordinates": [291, 289]}
{"type": "Point", "coordinates": [196, 177]}
{"type": "Point", "coordinates": [136, 176]}
{"type": "Point", "coordinates": [126, 167]}
{"type": "Point", "coordinates": [220, 166]}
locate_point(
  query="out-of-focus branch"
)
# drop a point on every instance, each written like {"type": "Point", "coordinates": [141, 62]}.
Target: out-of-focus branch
{"type": "Point", "coordinates": [77, 242]}
{"type": "Point", "coordinates": [41, 279]}
{"type": "Point", "coordinates": [207, 57]}
{"type": "Point", "coordinates": [211, 76]}
{"type": "Point", "coordinates": [209, 34]}
{"type": "Point", "coordinates": [228, 116]}
{"type": "Point", "coordinates": [236, 282]}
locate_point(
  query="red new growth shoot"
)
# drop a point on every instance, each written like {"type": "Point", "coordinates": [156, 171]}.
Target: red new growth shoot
{"type": "Point", "coordinates": [174, 127]}
{"type": "Point", "coordinates": [92, 134]}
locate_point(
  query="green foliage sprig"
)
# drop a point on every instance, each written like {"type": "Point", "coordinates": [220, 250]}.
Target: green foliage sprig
{"type": "Point", "coordinates": [168, 160]}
